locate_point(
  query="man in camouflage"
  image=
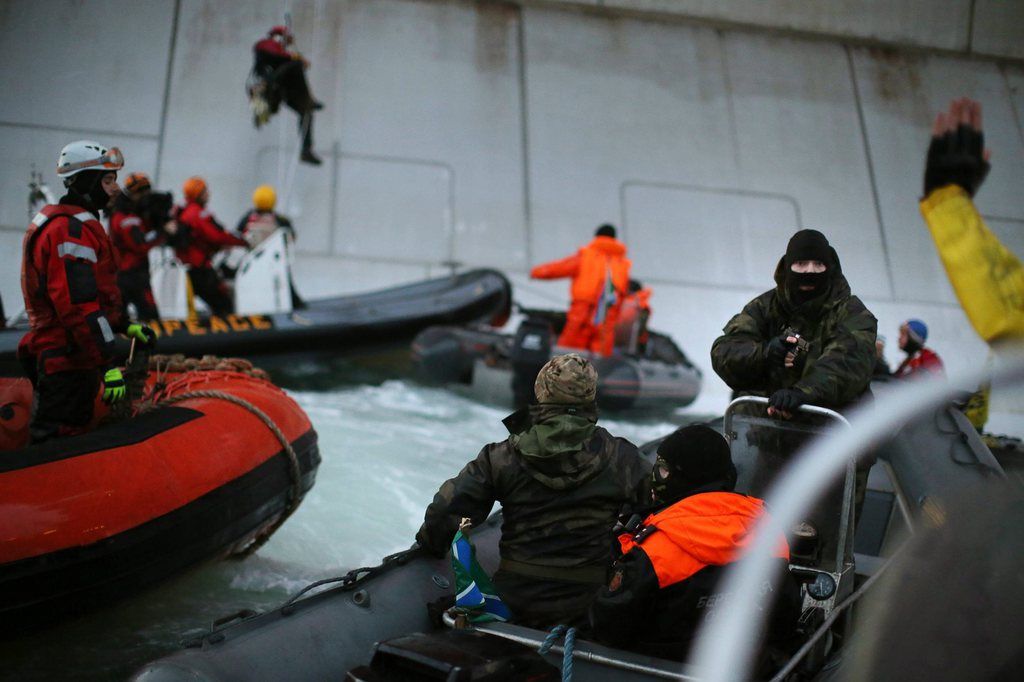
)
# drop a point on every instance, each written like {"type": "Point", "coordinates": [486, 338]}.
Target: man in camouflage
{"type": "Point", "coordinates": [562, 481]}
{"type": "Point", "coordinates": [807, 341]}
{"type": "Point", "coordinates": [756, 356]}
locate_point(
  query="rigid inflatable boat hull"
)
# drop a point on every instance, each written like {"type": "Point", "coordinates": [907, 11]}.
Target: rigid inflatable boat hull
{"type": "Point", "coordinates": [96, 517]}
{"type": "Point", "coordinates": [355, 323]}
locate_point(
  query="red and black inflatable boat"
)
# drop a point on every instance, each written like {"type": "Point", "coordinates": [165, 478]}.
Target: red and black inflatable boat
{"type": "Point", "coordinates": [94, 517]}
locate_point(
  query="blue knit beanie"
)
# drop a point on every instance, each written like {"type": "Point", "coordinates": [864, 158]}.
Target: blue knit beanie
{"type": "Point", "coordinates": [918, 330]}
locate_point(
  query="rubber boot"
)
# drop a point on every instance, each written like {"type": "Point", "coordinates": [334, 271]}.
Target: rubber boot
{"type": "Point", "coordinates": [306, 128]}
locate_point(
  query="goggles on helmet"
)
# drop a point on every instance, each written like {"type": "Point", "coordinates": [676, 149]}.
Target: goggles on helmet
{"type": "Point", "coordinates": [113, 160]}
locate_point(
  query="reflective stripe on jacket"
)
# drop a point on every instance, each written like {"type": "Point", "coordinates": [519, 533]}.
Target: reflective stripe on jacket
{"type": "Point", "coordinates": [69, 282]}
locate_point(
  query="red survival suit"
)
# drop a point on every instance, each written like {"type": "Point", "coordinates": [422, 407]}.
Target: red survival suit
{"type": "Point", "coordinates": [199, 237]}
{"type": "Point", "coordinates": [600, 278]}
{"type": "Point", "coordinates": [132, 239]}
{"type": "Point", "coordinates": [68, 280]}
{"type": "Point", "coordinates": [924, 361]}
{"type": "Point", "coordinates": [664, 584]}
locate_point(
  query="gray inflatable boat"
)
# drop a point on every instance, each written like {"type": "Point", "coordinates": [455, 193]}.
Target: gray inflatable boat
{"type": "Point", "coordinates": [374, 623]}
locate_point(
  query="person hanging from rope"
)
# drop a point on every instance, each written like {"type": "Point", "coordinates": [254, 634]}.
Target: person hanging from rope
{"type": "Point", "coordinates": [68, 279]}
{"type": "Point", "coordinates": [282, 72]}
{"type": "Point", "coordinates": [133, 236]}
{"type": "Point", "coordinates": [198, 237]}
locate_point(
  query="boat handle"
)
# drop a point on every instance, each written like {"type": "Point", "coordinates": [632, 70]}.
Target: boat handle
{"type": "Point", "coordinates": [238, 615]}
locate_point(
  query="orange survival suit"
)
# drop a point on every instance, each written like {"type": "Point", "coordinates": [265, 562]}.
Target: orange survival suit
{"type": "Point", "coordinates": [600, 279]}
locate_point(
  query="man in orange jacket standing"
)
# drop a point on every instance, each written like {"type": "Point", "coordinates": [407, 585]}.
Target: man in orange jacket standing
{"type": "Point", "coordinates": [600, 279]}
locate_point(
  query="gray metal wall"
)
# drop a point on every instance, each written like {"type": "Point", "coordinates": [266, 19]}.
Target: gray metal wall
{"type": "Point", "coordinates": [495, 135]}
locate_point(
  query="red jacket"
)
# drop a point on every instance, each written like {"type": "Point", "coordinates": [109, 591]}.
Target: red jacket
{"type": "Point", "coordinates": [924, 361]}
{"type": "Point", "coordinates": [69, 282]}
{"type": "Point", "coordinates": [200, 236]}
{"type": "Point", "coordinates": [132, 239]}
{"type": "Point", "coordinates": [272, 47]}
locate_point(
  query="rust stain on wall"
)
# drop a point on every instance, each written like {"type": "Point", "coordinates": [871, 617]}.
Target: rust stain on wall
{"type": "Point", "coordinates": [495, 26]}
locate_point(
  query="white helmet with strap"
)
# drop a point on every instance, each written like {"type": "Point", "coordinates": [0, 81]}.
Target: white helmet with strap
{"type": "Point", "coordinates": [83, 155]}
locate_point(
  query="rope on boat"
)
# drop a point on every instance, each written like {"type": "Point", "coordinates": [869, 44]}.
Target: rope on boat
{"type": "Point", "coordinates": [294, 471]}
{"type": "Point", "coordinates": [570, 643]}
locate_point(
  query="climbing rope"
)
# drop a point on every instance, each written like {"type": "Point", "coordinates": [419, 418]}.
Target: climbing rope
{"type": "Point", "coordinates": [570, 643]}
{"type": "Point", "coordinates": [163, 365]}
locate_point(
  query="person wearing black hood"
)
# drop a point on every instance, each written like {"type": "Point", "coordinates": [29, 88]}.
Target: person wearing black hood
{"type": "Point", "coordinates": [807, 341]}
{"type": "Point", "coordinates": [68, 279]}
{"type": "Point", "coordinates": [663, 586]}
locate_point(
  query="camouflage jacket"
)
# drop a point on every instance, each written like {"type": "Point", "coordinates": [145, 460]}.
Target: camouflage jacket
{"type": "Point", "coordinates": [561, 481]}
{"type": "Point", "coordinates": [840, 331]}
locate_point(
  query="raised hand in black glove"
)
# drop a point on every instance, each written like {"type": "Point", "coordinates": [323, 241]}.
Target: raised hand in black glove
{"type": "Point", "coordinates": [786, 400]}
{"type": "Point", "coordinates": [777, 349]}
{"type": "Point", "coordinates": [957, 154]}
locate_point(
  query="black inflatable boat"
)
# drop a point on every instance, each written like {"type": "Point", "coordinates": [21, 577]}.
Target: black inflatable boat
{"type": "Point", "coordinates": [389, 317]}
{"type": "Point", "coordinates": [374, 621]}
{"type": "Point", "coordinates": [496, 367]}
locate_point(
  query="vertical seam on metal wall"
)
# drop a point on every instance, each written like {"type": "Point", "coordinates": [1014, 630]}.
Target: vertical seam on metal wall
{"type": "Point", "coordinates": [1013, 104]}
{"type": "Point", "coordinates": [871, 171]}
{"type": "Point", "coordinates": [524, 125]}
{"type": "Point", "coordinates": [970, 26]}
{"type": "Point", "coordinates": [167, 92]}
{"type": "Point", "coordinates": [731, 108]}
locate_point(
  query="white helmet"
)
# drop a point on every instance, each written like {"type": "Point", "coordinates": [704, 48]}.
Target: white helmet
{"type": "Point", "coordinates": [86, 155]}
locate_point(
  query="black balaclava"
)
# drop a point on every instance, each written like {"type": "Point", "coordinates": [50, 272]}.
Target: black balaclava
{"type": "Point", "coordinates": [86, 188]}
{"type": "Point", "coordinates": [692, 459]}
{"type": "Point", "coordinates": [605, 230]}
{"type": "Point", "coordinates": [807, 245]}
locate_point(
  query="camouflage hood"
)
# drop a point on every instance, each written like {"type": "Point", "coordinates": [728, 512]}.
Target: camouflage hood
{"type": "Point", "coordinates": [551, 441]}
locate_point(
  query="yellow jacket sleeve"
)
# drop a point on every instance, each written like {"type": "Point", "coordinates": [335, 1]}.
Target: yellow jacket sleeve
{"type": "Point", "coordinates": [987, 277]}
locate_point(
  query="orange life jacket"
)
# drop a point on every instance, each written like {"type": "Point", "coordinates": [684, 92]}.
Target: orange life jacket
{"type": "Point", "coordinates": [707, 529]}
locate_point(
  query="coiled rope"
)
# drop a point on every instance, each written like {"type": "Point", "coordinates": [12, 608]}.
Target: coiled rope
{"type": "Point", "coordinates": [294, 471]}
{"type": "Point", "coordinates": [570, 643]}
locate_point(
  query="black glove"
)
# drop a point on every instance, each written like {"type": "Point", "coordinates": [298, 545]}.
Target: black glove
{"type": "Point", "coordinates": [777, 349]}
{"type": "Point", "coordinates": [786, 399]}
{"type": "Point", "coordinates": [956, 158]}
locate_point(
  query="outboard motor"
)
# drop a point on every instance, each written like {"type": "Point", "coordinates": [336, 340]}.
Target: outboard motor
{"type": "Point", "coordinates": [531, 349]}
{"type": "Point", "coordinates": [439, 357]}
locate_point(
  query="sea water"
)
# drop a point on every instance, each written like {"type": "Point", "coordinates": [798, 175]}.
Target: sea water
{"type": "Point", "coordinates": [386, 448]}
